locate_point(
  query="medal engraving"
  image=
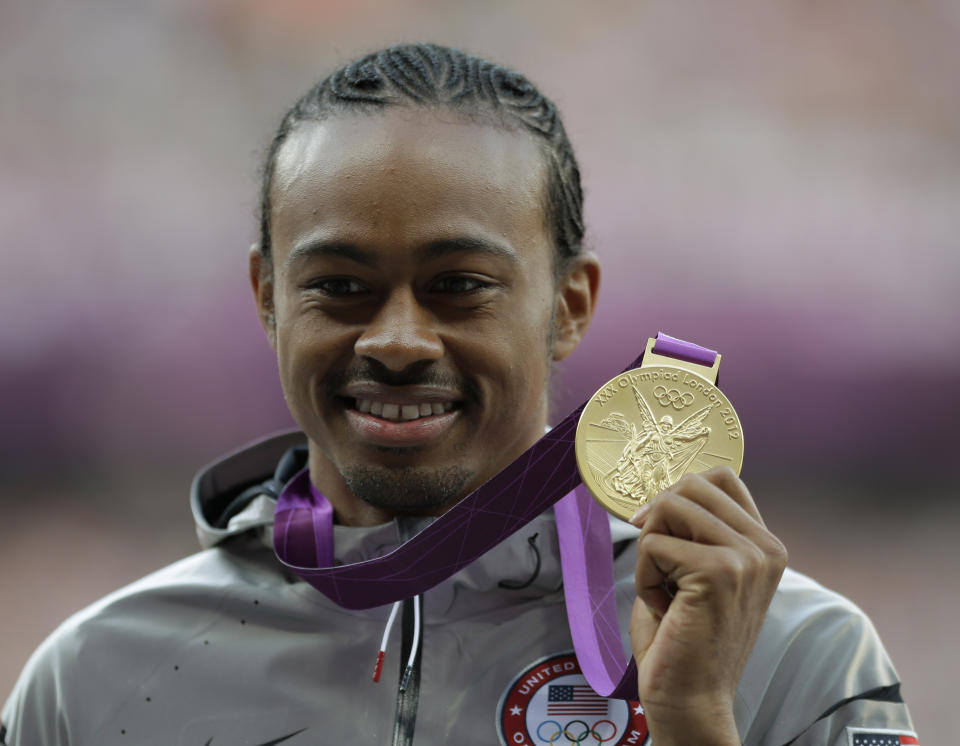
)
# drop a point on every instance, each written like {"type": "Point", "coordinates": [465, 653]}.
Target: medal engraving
{"type": "Point", "coordinates": [648, 427]}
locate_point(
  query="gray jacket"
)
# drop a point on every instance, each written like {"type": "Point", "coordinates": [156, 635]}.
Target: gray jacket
{"type": "Point", "coordinates": [225, 647]}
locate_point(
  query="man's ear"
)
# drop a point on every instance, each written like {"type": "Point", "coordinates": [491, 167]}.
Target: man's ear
{"type": "Point", "coordinates": [261, 279]}
{"type": "Point", "coordinates": [576, 301]}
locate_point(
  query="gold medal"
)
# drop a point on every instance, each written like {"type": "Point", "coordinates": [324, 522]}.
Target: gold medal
{"type": "Point", "coordinates": [646, 428]}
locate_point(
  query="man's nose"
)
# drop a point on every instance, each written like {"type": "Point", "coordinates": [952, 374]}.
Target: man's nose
{"type": "Point", "coordinates": [401, 333]}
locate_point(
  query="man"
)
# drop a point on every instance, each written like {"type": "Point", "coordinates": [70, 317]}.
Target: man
{"type": "Point", "coordinates": [420, 268]}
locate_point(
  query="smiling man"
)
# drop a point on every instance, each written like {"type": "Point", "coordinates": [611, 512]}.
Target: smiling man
{"type": "Point", "coordinates": [413, 295]}
{"type": "Point", "coordinates": [419, 271]}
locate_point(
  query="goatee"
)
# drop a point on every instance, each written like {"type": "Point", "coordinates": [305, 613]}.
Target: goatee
{"type": "Point", "coordinates": [407, 489]}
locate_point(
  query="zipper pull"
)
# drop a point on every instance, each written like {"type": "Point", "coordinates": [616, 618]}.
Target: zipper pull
{"type": "Point", "coordinates": [405, 681]}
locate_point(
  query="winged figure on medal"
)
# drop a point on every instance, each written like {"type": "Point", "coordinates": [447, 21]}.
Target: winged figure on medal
{"type": "Point", "coordinates": [656, 454]}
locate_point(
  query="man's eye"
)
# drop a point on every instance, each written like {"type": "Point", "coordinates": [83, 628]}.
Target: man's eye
{"type": "Point", "coordinates": [459, 284]}
{"type": "Point", "coordinates": [337, 286]}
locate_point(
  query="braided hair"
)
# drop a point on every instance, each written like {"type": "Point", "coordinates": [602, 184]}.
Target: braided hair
{"type": "Point", "coordinates": [429, 76]}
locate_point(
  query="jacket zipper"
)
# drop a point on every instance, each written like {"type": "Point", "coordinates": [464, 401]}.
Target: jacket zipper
{"type": "Point", "coordinates": [408, 686]}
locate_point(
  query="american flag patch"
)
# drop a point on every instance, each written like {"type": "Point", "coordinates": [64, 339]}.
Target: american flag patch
{"type": "Point", "coordinates": [574, 700]}
{"type": "Point", "coordinates": [879, 737]}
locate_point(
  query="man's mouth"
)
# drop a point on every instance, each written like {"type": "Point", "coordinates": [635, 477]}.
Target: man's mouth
{"type": "Point", "coordinates": [395, 416]}
{"type": "Point", "coordinates": [401, 412]}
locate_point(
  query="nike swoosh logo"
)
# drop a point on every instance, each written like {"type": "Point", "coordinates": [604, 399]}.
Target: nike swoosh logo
{"type": "Point", "coordinates": [274, 742]}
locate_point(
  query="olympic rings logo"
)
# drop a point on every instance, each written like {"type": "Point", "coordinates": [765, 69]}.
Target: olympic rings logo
{"type": "Point", "coordinates": [673, 397]}
{"type": "Point", "coordinates": [577, 731]}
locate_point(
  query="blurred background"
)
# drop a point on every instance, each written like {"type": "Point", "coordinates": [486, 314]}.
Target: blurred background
{"type": "Point", "coordinates": [779, 181]}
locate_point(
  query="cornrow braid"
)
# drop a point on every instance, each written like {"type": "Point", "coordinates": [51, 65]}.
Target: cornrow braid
{"type": "Point", "coordinates": [428, 75]}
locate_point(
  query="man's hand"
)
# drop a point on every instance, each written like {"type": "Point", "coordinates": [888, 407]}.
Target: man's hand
{"type": "Point", "coordinates": [707, 569]}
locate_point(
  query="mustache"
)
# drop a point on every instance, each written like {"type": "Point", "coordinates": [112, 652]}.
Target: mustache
{"type": "Point", "coordinates": [418, 374]}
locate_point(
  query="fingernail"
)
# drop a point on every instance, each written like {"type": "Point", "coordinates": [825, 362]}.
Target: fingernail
{"type": "Point", "coordinates": [641, 513]}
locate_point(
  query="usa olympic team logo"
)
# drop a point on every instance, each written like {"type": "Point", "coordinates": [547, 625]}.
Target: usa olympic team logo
{"type": "Point", "coordinates": [551, 704]}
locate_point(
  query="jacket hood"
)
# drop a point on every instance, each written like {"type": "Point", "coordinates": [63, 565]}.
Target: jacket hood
{"type": "Point", "coordinates": [237, 493]}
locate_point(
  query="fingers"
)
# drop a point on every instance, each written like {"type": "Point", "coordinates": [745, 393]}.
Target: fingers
{"type": "Point", "coordinates": [665, 564]}
{"type": "Point", "coordinates": [668, 566]}
{"type": "Point", "coordinates": [705, 525]}
{"type": "Point", "coordinates": [726, 479]}
{"type": "Point", "coordinates": [707, 568]}
{"type": "Point", "coordinates": [719, 492]}
{"type": "Point", "coordinates": [680, 513]}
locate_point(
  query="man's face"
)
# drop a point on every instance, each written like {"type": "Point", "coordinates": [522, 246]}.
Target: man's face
{"type": "Point", "coordinates": [413, 303]}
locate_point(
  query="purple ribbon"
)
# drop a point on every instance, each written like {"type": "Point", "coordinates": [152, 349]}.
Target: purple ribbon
{"type": "Point", "coordinates": [545, 474]}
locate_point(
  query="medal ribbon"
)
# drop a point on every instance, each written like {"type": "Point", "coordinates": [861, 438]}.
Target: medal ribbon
{"type": "Point", "coordinates": [544, 475]}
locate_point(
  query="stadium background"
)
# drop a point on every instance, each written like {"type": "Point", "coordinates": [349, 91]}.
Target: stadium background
{"type": "Point", "coordinates": [780, 181]}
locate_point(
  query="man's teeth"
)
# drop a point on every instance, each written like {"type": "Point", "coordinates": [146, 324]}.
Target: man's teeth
{"type": "Point", "coordinates": [403, 411]}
